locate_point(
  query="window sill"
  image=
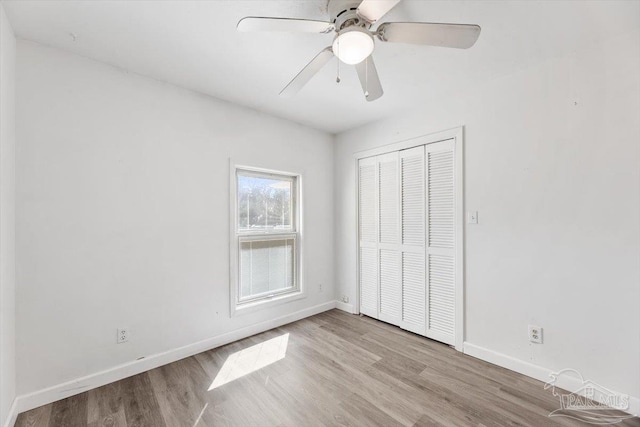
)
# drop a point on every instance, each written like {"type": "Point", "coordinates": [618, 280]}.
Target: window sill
{"type": "Point", "coordinates": [238, 309]}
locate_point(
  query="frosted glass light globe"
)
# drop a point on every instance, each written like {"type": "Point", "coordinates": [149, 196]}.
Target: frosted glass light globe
{"type": "Point", "coordinates": [353, 45]}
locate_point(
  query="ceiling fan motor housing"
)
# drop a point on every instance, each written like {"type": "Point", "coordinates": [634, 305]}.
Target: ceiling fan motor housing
{"type": "Point", "coordinates": [343, 14]}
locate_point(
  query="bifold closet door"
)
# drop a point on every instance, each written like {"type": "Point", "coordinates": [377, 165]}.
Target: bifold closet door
{"type": "Point", "coordinates": [440, 241]}
{"type": "Point", "coordinates": [406, 245]}
{"type": "Point", "coordinates": [412, 266]}
{"type": "Point", "coordinates": [389, 256]}
{"type": "Point", "coordinates": [368, 235]}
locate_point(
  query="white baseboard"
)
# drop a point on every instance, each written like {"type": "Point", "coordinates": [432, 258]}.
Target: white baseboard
{"type": "Point", "coordinates": [12, 415]}
{"type": "Point", "coordinates": [540, 373]}
{"type": "Point", "coordinates": [349, 308]}
{"type": "Point", "coordinates": [80, 385]}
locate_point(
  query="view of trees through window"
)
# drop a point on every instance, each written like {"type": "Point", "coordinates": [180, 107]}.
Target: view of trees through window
{"type": "Point", "coordinates": [264, 203]}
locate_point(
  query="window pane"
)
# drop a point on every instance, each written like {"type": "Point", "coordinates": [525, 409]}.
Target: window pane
{"type": "Point", "coordinates": [266, 266]}
{"type": "Point", "coordinates": [264, 203]}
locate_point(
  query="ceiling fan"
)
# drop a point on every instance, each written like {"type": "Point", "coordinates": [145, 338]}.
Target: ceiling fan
{"type": "Point", "coordinates": [353, 43]}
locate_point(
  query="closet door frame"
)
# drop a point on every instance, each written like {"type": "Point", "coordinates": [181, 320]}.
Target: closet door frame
{"type": "Point", "coordinates": [457, 135]}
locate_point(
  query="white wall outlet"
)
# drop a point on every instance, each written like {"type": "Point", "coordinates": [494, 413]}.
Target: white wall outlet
{"type": "Point", "coordinates": [123, 335]}
{"type": "Point", "coordinates": [535, 334]}
{"type": "Point", "coordinates": [345, 298]}
{"type": "Point", "coordinates": [472, 217]}
{"type": "Point", "coordinates": [319, 287]}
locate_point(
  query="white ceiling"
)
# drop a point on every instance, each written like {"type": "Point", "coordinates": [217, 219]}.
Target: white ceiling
{"type": "Point", "coordinates": [194, 44]}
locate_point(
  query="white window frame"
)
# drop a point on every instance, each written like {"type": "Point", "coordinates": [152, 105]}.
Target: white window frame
{"type": "Point", "coordinates": [240, 305]}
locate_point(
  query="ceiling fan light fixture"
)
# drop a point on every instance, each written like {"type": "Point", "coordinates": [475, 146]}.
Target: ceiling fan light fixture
{"type": "Point", "coordinates": [353, 45]}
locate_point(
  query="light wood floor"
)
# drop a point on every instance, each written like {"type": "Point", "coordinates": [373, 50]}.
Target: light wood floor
{"type": "Point", "coordinates": [331, 369]}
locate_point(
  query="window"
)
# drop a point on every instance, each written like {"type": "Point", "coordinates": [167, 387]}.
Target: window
{"type": "Point", "coordinates": [266, 236]}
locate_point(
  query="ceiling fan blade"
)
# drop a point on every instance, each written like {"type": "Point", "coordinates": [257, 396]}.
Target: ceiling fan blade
{"type": "Point", "coordinates": [310, 70]}
{"type": "Point", "coordinates": [369, 79]}
{"type": "Point", "coordinates": [460, 36]}
{"type": "Point", "coordinates": [255, 23]}
{"type": "Point", "coordinates": [372, 10]}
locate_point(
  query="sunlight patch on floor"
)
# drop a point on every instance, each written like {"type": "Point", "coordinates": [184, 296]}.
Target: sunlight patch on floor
{"type": "Point", "coordinates": [251, 359]}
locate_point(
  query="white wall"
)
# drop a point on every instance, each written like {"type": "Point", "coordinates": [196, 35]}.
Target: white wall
{"type": "Point", "coordinates": [123, 216]}
{"type": "Point", "coordinates": [552, 164]}
{"type": "Point", "coordinates": [7, 217]}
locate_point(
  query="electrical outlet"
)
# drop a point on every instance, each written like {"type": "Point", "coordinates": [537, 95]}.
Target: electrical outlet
{"type": "Point", "coordinates": [472, 217]}
{"type": "Point", "coordinates": [319, 287]}
{"type": "Point", "coordinates": [535, 334]}
{"type": "Point", "coordinates": [345, 298]}
{"type": "Point", "coordinates": [123, 335]}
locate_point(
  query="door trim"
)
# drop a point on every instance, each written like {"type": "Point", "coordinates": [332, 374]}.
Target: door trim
{"type": "Point", "coordinates": [457, 134]}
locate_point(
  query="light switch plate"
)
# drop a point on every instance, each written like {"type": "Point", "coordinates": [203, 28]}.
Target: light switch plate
{"type": "Point", "coordinates": [472, 217]}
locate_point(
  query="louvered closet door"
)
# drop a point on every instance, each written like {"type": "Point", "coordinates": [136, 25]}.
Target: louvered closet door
{"type": "Point", "coordinates": [440, 241]}
{"type": "Point", "coordinates": [368, 236]}
{"type": "Point", "coordinates": [389, 256]}
{"type": "Point", "coordinates": [412, 193]}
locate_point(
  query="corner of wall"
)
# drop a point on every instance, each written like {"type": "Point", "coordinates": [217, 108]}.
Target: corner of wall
{"type": "Point", "coordinates": [7, 222]}
{"type": "Point", "coordinates": [12, 415]}
{"type": "Point", "coordinates": [334, 225]}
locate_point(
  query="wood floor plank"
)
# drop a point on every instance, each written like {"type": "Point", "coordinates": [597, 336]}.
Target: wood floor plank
{"type": "Point", "coordinates": [332, 369]}
{"type": "Point", "coordinates": [69, 412]}
{"type": "Point", "coordinates": [104, 404]}
{"type": "Point", "coordinates": [427, 421]}
{"type": "Point", "coordinates": [140, 404]}
{"type": "Point", "coordinates": [336, 347]}
{"type": "Point", "coordinates": [116, 419]}
{"type": "Point", "coordinates": [273, 402]}
{"type": "Point", "coordinates": [38, 417]}
{"type": "Point", "coordinates": [365, 413]}
{"type": "Point", "coordinates": [348, 377]}
{"type": "Point", "coordinates": [471, 400]}
{"type": "Point", "coordinates": [446, 409]}
{"type": "Point", "coordinates": [181, 402]}
{"type": "Point", "coordinates": [319, 402]}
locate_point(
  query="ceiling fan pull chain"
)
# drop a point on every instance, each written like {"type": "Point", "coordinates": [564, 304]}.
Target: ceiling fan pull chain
{"type": "Point", "coordinates": [338, 77]}
{"type": "Point", "coordinates": [366, 77]}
